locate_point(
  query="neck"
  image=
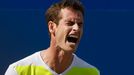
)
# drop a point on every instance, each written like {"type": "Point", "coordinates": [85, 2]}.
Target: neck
{"type": "Point", "coordinates": [57, 59]}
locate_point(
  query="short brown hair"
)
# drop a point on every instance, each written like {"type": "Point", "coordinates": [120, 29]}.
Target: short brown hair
{"type": "Point", "coordinates": [52, 14]}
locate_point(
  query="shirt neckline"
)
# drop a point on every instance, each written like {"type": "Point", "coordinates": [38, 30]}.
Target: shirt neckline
{"type": "Point", "coordinates": [53, 72]}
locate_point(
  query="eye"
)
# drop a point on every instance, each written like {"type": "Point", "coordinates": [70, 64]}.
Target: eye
{"type": "Point", "coordinates": [80, 24]}
{"type": "Point", "coordinates": [70, 23]}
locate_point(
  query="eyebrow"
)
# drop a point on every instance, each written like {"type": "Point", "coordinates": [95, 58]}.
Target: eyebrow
{"type": "Point", "coordinates": [69, 20]}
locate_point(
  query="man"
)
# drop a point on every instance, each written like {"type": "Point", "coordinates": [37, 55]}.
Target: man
{"type": "Point", "coordinates": [65, 24]}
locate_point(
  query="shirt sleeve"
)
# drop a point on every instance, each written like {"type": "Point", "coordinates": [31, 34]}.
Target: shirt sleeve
{"type": "Point", "coordinates": [11, 71]}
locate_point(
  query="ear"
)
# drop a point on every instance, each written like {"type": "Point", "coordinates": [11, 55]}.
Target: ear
{"type": "Point", "coordinates": [52, 27]}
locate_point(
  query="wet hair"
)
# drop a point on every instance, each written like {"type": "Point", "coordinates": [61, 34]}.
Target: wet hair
{"type": "Point", "coordinates": [53, 13]}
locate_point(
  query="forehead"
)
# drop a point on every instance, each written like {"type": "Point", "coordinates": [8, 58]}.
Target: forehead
{"type": "Point", "coordinates": [71, 14]}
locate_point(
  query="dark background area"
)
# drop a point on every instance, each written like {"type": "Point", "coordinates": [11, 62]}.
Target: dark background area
{"type": "Point", "coordinates": [107, 42]}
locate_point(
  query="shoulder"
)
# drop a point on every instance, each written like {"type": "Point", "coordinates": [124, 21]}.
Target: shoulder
{"type": "Point", "coordinates": [31, 59]}
{"type": "Point", "coordinates": [80, 64]}
{"type": "Point", "coordinates": [27, 60]}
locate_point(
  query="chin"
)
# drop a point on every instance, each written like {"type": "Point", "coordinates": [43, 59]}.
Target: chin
{"type": "Point", "coordinates": [71, 50]}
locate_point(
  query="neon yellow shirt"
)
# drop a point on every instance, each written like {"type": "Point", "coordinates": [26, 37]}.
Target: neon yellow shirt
{"type": "Point", "coordinates": [34, 65]}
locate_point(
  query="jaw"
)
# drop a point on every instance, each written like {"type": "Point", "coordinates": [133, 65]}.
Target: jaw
{"type": "Point", "coordinates": [68, 44]}
{"type": "Point", "coordinates": [68, 47]}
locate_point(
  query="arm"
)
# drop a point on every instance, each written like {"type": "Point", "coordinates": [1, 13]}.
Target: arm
{"type": "Point", "coordinates": [11, 71]}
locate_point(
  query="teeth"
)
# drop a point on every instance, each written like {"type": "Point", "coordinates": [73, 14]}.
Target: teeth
{"type": "Point", "coordinates": [74, 36]}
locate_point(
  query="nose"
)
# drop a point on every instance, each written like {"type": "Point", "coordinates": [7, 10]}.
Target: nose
{"type": "Point", "coordinates": [75, 27]}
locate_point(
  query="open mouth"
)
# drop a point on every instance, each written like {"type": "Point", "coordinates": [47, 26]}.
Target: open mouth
{"type": "Point", "coordinates": [72, 38]}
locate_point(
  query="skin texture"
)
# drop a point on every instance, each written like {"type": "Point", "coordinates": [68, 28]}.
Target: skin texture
{"type": "Point", "coordinates": [59, 55]}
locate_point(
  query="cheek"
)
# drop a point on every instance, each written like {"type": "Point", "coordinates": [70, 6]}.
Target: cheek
{"type": "Point", "coordinates": [60, 34]}
{"type": "Point", "coordinates": [62, 30]}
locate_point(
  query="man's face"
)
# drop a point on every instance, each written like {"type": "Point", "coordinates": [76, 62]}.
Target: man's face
{"type": "Point", "coordinates": [69, 30]}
